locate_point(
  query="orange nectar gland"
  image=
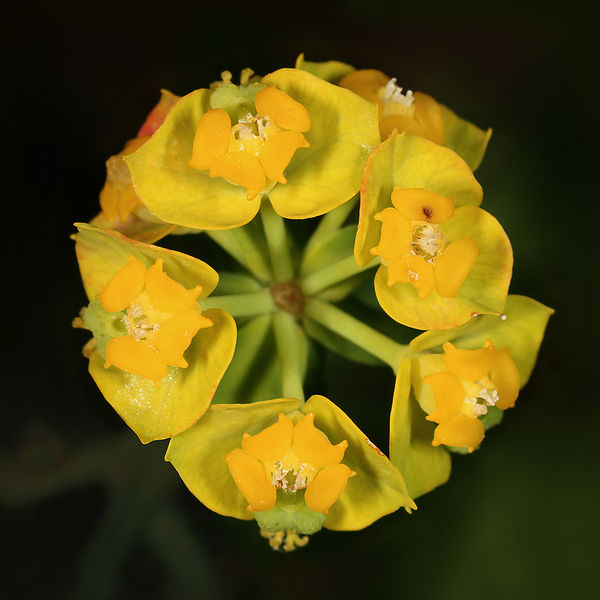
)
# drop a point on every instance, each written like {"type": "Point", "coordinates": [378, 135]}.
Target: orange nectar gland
{"type": "Point", "coordinates": [258, 147]}
{"type": "Point", "coordinates": [415, 113]}
{"type": "Point", "coordinates": [291, 458]}
{"type": "Point", "coordinates": [415, 250]}
{"type": "Point", "coordinates": [159, 316]}
{"type": "Point", "coordinates": [474, 381]}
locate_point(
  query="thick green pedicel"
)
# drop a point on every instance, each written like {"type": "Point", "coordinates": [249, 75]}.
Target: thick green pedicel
{"type": "Point", "coordinates": [290, 512]}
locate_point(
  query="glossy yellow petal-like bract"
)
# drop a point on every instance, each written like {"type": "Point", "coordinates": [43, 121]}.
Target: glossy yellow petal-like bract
{"type": "Point", "coordinates": [505, 376]}
{"type": "Point", "coordinates": [102, 252]}
{"type": "Point", "coordinates": [176, 192]}
{"type": "Point", "coordinates": [401, 124]}
{"type": "Point", "coordinates": [165, 293]}
{"type": "Point", "coordinates": [311, 445]}
{"type": "Point", "coordinates": [277, 152]}
{"type": "Point", "coordinates": [468, 364]}
{"type": "Point", "coordinates": [343, 132]}
{"type": "Point", "coordinates": [420, 204]}
{"type": "Point", "coordinates": [240, 168]}
{"type": "Point", "coordinates": [211, 138]}
{"type": "Point", "coordinates": [327, 486]}
{"type": "Point", "coordinates": [396, 235]}
{"type": "Point", "coordinates": [329, 70]}
{"type": "Point", "coordinates": [271, 444]}
{"type": "Point", "coordinates": [460, 431]}
{"type": "Point", "coordinates": [484, 290]}
{"type": "Point", "coordinates": [378, 488]}
{"type": "Point", "coordinates": [252, 480]}
{"type": "Point", "coordinates": [284, 111]}
{"type": "Point", "coordinates": [408, 162]}
{"type": "Point", "coordinates": [199, 453]}
{"type": "Point", "coordinates": [135, 357]}
{"type": "Point", "coordinates": [449, 396]}
{"type": "Point", "coordinates": [124, 286]}
{"type": "Point", "coordinates": [453, 266]}
{"type": "Point", "coordinates": [428, 113]}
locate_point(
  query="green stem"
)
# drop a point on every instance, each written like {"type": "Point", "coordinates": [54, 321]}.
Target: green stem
{"type": "Point", "coordinates": [330, 275]}
{"type": "Point", "coordinates": [330, 222]}
{"type": "Point", "coordinates": [356, 332]}
{"type": "Point", "coordinates": [277, 242]}
{"type": "Point", "coordinates": [239, 244]}
{"type": "Point", "coordinates": [242, 305]}
{"type": "Point", "coordinates": [286, 338]}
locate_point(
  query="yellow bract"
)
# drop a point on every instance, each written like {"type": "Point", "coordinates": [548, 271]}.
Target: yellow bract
{"type": "Point", "coordinates": [118, 198]}
{"type": "Point", "coordinates": [417, 114]}
{"type": "Point", "coordinates": [291, 458]}
{"type": "Point", "coordinates": [474, 381]}
{"type": "Point", "coordinates": [414, 249]}
{"type": "Point", "coordinates": [159, 316]}
{"type": "Point", "coordinates": [258, 147]}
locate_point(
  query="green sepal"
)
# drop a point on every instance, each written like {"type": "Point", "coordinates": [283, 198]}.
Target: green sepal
{"type": "Point", "coordinates": [237, 100]}
{"type": "Point", "coordinates": [102, 252]}
{"type": "Point", "coordinates": [331, 70]}
{"type": "Point", "coordinates": [378, 488]}
{"type": "Point", "coordinates": [329, 250]}
{"type": "Point", "coordinates": [484, 291]}
{"type": "Point", "coordinates": [184, 394]}
{"type": "Point", "coordinates": [180, 194]}
{"type": "Point", "coordinates": [344, 130]}
{"type": "Point", "coordinates": [423, 466]}
{"type": "Point", "coordinates": [407, 161]}
{"type": "Point", "coordinates": [290, 513]}
{"type": "Point", "coordinates": [104, 325]}
{"type": "Point", "coordinates": [199, 453]}
{"type": "Point", "coordinates": [466, 139]}
{"type": "Point", "coordinates": [521, 332]}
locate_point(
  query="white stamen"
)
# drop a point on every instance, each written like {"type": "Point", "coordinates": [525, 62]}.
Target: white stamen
{"type": "Point", "coordinates": [392, 93]}
{"type": "Point", "coordinates": [426, 241]}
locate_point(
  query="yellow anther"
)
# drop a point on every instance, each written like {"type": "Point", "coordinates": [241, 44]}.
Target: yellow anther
{"type": "Point", "coordinates": [167, 294]}
{"type": "Point", "coordinates": [271, 444]}
{"type": "Point", "coordinates": [133, 356]}
{"type": "Point", "coordinates": [240, 168]}
{"type": "Point", "coordinates": [453, 266]}
{"type": "Point", "coordinates": [395, 237]}
{"type": "Point", "coordinates": [211, 139]}
{"type": "Point", "coordinates": [326, 487]}
{"type": "Point", "coordinates": [277, 152]}
{"type": "Point", "coordinates": [124, 286]}
{"type": "Point", "coordinates": [311, 445]}
{"type": "Point", "coordinates": [419, 204]}
{"type": "Point", "coordinates": [252, 480]}
{"type": "Point", "coordinates": [282, 110]}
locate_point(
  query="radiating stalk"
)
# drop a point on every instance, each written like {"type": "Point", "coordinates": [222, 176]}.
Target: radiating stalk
{"type": "Point", "coordinates": [242, 305]}
{"type": "Point", "coordinates": [284, 327]}
{"type": "Point", "coordinates": [277, 242]}
{"type": "Point", "coordinates": [331, 221]}
{"type": "Point", "coordinates": [331, 274]}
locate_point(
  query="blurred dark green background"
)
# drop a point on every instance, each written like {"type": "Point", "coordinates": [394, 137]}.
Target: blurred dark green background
{"type": "Point", "coordinates": [90, 513]}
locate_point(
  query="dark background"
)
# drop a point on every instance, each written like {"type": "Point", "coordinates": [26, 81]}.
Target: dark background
{"type": "Point", "coordinates": [91, 513]}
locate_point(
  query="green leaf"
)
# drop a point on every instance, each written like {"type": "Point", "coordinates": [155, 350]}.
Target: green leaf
{"type": "Point", "coordinates": [464, 138]}
{"type": "Point", "coordinates": [344, 130]}
{"type": "Point", "coordinates": [184, 394]}
{"type": "Point", "coordinates": [180, 194]}
{"type": "Point", "coordinates": [378, 488]}
{"type": "Point", "coordinates": [407, 161]}
{"type": "Point", "coordinates": [330, 70]}
{"type": "Point", "coordinates": [484, 291]}
{"type": "Point", "coordinates": [423, 466]}
{"type": "Point", "coordinates": [199, 453]}
{"type": "Point", "coordinates": [521, 332]}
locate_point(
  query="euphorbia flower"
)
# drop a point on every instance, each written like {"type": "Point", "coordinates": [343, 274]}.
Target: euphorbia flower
{"type": "Point", "coordinates": [293, 467]}
{"type": "Point", "coordinates": [155, 357]}
{"type": "Point", "coordinates": [473, 381]}
{"type": "Point", "coordinates": [290, 137]}
{"type": "Point", "coordinates": [417, 114]}
{"type": "Point", "coordinates": [443, 259]}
